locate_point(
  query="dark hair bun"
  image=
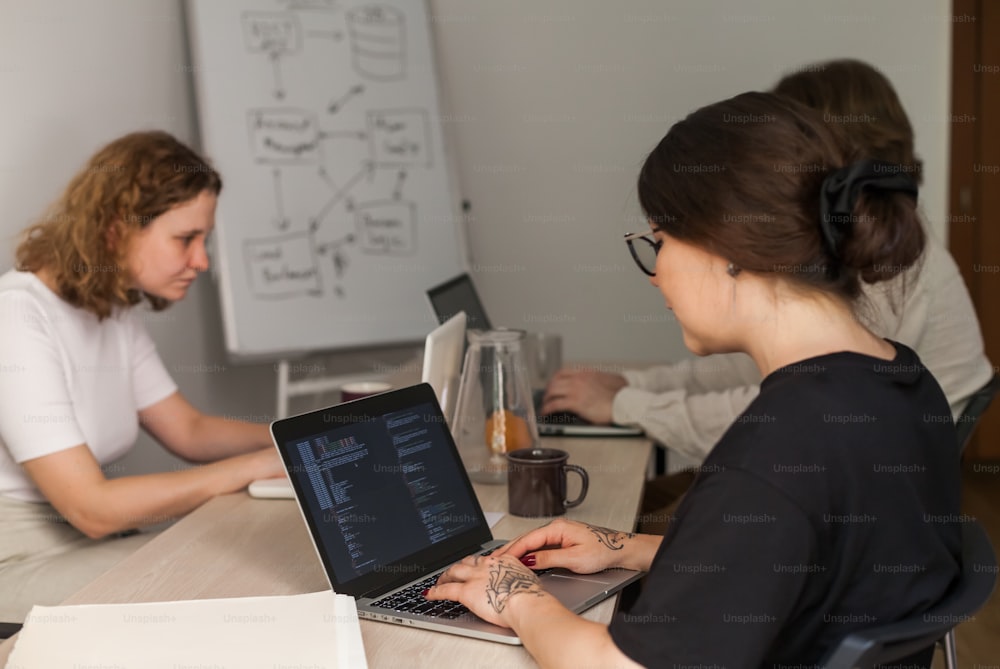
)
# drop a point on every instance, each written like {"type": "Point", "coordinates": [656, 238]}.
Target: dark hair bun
{"type": "Point", "coordinates": [743, 178]}
{"type": "Point", "coordinates": [886, 236]}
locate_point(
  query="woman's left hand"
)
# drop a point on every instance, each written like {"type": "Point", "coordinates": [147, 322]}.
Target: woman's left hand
{"type": "Point", "coordinates": [486, 585]}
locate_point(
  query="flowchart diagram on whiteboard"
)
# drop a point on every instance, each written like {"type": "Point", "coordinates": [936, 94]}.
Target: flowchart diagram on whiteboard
{"type": "Point", "coordinates": [337, 211]}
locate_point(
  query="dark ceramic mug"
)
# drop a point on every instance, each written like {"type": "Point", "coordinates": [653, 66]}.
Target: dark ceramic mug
{"type": "Point", "coordinates": [536, 482]}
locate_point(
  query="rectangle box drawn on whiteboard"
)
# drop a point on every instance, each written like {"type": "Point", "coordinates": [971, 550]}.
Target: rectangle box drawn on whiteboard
{"type": "Point", "coordinates": [324, 120]}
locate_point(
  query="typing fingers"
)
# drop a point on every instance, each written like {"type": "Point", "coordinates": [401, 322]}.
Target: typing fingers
{"type": "Point", "coordinates": [526, 543]}
{"type": "Point", "coordinates": [457, 573]}
{"type": "Point", "coordinates": [452, 591]}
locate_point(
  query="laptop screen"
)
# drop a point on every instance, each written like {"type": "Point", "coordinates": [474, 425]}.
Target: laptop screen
{"type": "Point", "coordinates": [459, 294]}
{"type": "Point", "coordinates": [381, 486]}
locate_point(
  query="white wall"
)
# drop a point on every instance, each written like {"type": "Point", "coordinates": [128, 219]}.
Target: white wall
{"type": "Point", "coordinates": [555, 105]}
{"type": "Point", "coordinates": [551, 107]}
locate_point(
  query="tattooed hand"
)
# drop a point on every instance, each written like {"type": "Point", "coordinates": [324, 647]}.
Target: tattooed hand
{"type": "Point", "coordinates": [487, 585]}
{"type": "Point", "coordinates": [508, 579]}
{"type": "Point", "coordinates": [582, 548]}
{"type": "Point", "coordinates": [612, 539]}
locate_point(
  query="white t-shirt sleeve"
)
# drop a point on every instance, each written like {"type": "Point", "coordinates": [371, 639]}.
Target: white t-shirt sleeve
{"type": "Point", "coordinates": [36, 410]}
{"type": "Point", "coordinates": [151, 382]}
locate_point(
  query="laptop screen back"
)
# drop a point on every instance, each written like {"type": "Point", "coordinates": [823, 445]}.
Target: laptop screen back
{"type": "Point", "coordinates": [443, 349]}
{"type": "Point", "coordinates": [382, 488]}
{"type": "Point", "coordinates": [459, 294]}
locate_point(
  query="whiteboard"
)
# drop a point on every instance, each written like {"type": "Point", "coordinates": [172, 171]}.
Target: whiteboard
{"type": "Point", "coordinates": [337, 210]}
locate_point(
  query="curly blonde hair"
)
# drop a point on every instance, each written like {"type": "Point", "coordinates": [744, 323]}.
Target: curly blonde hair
{"type": "Point", "coordinates": [83, 239]}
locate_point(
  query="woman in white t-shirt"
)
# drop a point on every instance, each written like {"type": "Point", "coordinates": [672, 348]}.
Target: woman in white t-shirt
{"type": "Point", "coordinates": [79, 374]}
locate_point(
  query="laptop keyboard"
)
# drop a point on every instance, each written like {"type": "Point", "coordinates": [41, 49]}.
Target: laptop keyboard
{"type": "Point", "coordinates": [412, 600]}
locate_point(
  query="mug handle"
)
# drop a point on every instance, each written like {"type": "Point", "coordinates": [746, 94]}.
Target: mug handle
{"type": "Point", "coordinates": [584, 480]}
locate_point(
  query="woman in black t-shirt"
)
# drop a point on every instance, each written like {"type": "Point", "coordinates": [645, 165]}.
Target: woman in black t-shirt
{"type": "Point", "coordinates": [831, 503]}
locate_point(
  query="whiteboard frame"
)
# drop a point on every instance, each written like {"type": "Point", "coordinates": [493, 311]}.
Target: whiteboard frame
{"type": "Point", "coordinates": [223, 265]}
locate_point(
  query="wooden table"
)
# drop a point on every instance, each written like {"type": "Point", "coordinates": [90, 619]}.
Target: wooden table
{"type": "Point", "coordinates": [237, 546]}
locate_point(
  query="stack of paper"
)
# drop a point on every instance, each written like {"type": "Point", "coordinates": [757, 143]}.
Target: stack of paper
{"type": "Point", "coordinates": [316, 630]}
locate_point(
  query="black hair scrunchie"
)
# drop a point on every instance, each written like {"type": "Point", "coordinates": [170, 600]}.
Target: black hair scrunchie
{"type": "Point", "coordinates": [841, 189]}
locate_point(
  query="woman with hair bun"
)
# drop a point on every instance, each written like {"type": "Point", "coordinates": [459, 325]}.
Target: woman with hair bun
{"type": "Point", "coordinates": [81, 374]}
{"type": "Point", "coordinates": [810, 516]}
{"type": "Point", "coordinates": [687, 406]}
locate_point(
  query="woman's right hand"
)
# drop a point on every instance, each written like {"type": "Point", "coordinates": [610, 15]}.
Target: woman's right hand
{"type": "Point", "coordinates": [579, 547]}
{"type": "Point", "coordinates": [585, 392]}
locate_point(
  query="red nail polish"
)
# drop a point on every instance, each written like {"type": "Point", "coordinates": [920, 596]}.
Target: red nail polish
{"type": "Point", "coordinates": [528, 560]}
{"type": "Point", "coordinates": [426, 592]}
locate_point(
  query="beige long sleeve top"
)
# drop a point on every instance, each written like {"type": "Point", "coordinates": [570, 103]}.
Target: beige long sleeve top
{"type": "Point", "coordinates": [688, 406]}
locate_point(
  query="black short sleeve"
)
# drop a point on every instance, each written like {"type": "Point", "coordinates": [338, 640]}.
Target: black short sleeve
{"type": "Point", "coordinates": [816, 514]}
{"type": "Point", "coordinates": [729, 572]}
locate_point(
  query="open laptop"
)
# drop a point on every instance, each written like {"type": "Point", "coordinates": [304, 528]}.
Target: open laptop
{"type": "Point", "coordinates": [389, 506]}
{"type": "Point", "coordinates": [443, 352]}
{"type": "Point", "coordinates": [459, 294]}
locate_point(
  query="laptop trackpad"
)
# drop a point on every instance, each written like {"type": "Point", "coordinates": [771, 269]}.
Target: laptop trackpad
{"type": "Point", "coordinates": [574, 590]}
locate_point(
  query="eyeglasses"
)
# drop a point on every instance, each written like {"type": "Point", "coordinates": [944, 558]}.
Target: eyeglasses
{"type": "Point", "coordinates": [644, 252]}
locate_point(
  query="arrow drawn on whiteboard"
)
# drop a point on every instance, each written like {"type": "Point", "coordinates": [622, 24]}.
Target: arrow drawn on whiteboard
{"type": "Point", "coordinates": [335, 245]}
{"type": "Point", "coordinates": [397, 191]}
{"type": "Point", "coordinates": [368, 168]}
{"type": "Point", "coordinates": [325, 176]}
{"type": "Point", "coordinates": [335, 105]}
{"type": "Point", "coordinates": [339, 265]}
{"type": "Point", "coordinates": [279, 200]}
{"type": "Point", "coordinates": [279, 87]}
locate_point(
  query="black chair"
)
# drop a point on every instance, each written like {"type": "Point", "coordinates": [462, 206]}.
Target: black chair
{"type": "Point", "coordinates": [977, 405]}
{"type": "Point", "coordinates": [865, 649]}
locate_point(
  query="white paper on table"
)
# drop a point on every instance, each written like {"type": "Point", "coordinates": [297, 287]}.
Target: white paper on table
{"type": "Point", "coordinates": [318, 629]}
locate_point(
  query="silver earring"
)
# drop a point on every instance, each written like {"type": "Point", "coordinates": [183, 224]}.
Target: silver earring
{"type": "Point", "coordinates": [732, 270]}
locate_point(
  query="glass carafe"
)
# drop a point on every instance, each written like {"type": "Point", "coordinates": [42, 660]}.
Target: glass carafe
{"type": "Point", "coordinates": [494, 413]}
